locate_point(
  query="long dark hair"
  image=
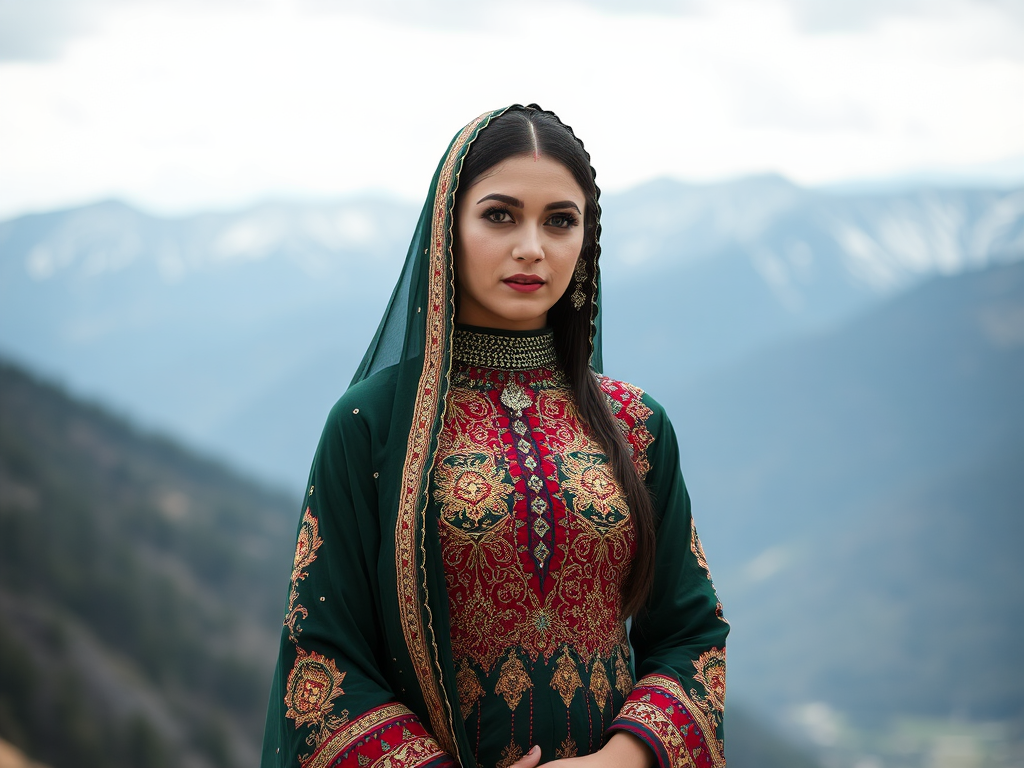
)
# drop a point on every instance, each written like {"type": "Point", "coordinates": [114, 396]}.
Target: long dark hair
{"type": "Point", "coordinates": [524, 130]}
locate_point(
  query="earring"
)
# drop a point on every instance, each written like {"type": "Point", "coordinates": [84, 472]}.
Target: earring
{"type": "Point", "coordinates": [578, 297]}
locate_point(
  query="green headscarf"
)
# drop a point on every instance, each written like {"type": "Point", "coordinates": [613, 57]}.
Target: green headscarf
{"type": "Point", "coordinates": [415, 335]}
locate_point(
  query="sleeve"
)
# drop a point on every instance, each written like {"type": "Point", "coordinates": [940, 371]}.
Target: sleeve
{"type": "Point", "coordinates": [331, 703]}
{"type": "Point", "coordinates": [678, 702]}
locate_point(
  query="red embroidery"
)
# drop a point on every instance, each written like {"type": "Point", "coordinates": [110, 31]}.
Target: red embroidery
{"type": "Point", "coordinates": [540, 567]}
{"type": "Point", "coordinates": [681, 729]}
{"type": "Point", "coordinates": [385, 737]}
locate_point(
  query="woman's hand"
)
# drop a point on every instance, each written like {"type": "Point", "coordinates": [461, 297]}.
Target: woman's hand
{"type": "Point", "coordinates": [529, 760]}
{"type": "Point", "coordinates": [623, 750]}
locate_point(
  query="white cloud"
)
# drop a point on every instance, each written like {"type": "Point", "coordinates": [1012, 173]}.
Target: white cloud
{"type": "Point", "coordinates": [186, 105]}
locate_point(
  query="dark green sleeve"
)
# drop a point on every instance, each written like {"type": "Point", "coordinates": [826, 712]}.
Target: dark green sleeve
{"type": "Point", "coordinates": [677, 705]}
{"type": "Point", "coordinates": [331, 702]}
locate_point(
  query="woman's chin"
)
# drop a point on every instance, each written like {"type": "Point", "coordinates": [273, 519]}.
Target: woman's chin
{"type": "Point", "coordinates": [524, 312]}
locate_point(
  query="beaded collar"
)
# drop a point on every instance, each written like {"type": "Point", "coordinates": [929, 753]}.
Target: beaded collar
{"type": "Point", "coordinates": [504, 350]}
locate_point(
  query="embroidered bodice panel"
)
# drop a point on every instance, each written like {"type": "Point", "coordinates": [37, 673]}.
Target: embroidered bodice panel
{"type": "Point", "coordinates": [536, 539]}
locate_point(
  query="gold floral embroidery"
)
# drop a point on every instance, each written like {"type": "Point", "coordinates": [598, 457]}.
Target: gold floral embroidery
{"type": "Point", "coordinates": [631, 407]}
{"type": "Point", "coordinates": [568, 749]}
{"type": "Point", "coordinates": [308, 543]}
{"type": "Point", "coordinates": [623, 678]}
{"type": "Point", "coordinates": [698, 550]}
{"type": "Point", "coordinates": [590, 480]}
{"type": "Point", "coordinates": [509, 755]}
{"type": "Point", "coordinates": [711, 674]}
{"type": "Point", "coordinates": [566, 679]}
{"type": "Point", "coordinates": [469, 688]}
{"type": "Point", "coordinates": [471, 493]}
{"type": "Point", "coordinates": [513, 681]}
{"type": "Point", "coordinates": [599, 685]}
{"type": "Point", "coordinates": [313, 684]}
{"type": "Point", "coordinates": [578, 604]}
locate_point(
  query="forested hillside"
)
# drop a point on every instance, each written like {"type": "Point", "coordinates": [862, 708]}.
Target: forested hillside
{"type": "Point", "coordinates": [140, 591]}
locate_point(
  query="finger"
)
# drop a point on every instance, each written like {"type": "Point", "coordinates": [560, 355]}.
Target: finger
{"type": "Point", "coordinates": [529, 760]}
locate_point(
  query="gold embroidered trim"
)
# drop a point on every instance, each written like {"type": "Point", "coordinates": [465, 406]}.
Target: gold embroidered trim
{"type": "Point", "coordinates": [695, 705]}
{"type": "Point", "coordinates": [711, 674]}
{"type": "Point", "coordinates": [409, 753]}
{"type": "Point", "coordinates": [505, 352]}
{"type": "Point", "coordinates": [698, 549]}
{"type": "Point", "coordinates": [342, 740]}
{"type": "Point", "coordinates": [410, 532]}
{"type": "Point", "coordinates": [308, 543]}
{"type": "Point", "coordinates": [663, 728]}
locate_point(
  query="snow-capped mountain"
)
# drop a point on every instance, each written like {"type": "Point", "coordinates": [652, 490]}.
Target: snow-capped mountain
{"type": "Point", "coordinates": [237, 330]}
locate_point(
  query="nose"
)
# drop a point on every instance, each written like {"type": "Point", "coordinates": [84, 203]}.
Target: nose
{"type": "Point", "coordinates": [528, 246]}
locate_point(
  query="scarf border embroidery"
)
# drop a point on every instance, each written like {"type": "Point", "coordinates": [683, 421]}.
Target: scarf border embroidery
{"type": "Point", "coordinates": [410, 531]}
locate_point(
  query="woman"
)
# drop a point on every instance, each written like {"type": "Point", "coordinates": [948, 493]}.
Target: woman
{"type": "Point", "coordinates": [484, 512]}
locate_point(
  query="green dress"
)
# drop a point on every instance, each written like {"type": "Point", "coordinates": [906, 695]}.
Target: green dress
{"type": "Point", "coordinates": [454, 593]}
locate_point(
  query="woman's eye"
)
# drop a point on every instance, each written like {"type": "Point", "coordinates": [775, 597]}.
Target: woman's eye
{"type": "Point", "coordinates": [563, 220]}
{"type": "Point", "coordinates": [498, 216]}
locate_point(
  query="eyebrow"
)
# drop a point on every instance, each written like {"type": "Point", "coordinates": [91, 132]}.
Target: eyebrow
{"type": "Point", "coordinates": [515, 202]}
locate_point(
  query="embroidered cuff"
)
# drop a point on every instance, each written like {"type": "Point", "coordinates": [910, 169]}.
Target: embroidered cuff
{"type": "Point", "coordinates": [679, 731]}
{"type": "Point", "coordinates": [386, 737]}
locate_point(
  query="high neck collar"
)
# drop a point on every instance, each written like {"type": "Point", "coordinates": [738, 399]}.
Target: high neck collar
{"type": "Point", "coordinates": [504, 350]}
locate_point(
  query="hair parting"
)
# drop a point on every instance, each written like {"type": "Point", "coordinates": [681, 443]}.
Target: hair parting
{"type": "Point", "coordinates": [531, 130]}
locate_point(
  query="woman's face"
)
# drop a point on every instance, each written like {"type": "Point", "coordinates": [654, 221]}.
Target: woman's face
{"type": "Point", "coordinates": [520, 231]}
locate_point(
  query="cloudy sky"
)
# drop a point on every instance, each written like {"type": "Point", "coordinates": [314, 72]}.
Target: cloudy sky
{"type": "Point", "coordinates": [180, 105]}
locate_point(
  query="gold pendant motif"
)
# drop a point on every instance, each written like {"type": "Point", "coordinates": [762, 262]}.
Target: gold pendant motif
{"type": "Point", "coordinates": [566, 679]}
{"type": "Point", "coordinates": [599, 685]}
{"type": "Point", "coordinates": [513, 681]}
{"type": "Point", "coordinates": [623, 679]}
{"type": "Point", "coordinates": [514, 397]}
{"type": "Point", "coordinates": [469, 688]}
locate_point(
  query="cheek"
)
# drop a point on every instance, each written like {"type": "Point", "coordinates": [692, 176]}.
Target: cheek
{"type": "Point", "coordinates": [470, 258]}
{"type": "Point", "coordinates": [567, 258]}
{"type": "Point", "coordinates": [477, 252]}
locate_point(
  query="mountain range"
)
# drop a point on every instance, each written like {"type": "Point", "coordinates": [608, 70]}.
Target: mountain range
{"type": "Point", "coordinates": [859, 494]}
{"type": "Point", "coordinates": [238, 330]}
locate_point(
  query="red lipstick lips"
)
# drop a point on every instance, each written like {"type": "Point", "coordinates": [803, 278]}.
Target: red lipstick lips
{"type": "Point", "coordinates": [523, 283]}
